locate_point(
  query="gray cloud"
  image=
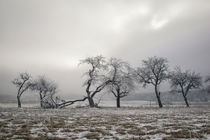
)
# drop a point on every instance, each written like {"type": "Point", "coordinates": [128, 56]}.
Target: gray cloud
{"type": "Point", "coordinates": [50, 37]}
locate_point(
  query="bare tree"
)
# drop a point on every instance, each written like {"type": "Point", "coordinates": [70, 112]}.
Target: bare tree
{"type": "Point", "coordinates": [49, 100]}
{"type": "Point", "coordinates": [184, 81]}
{"type": "Point", "coordinates": [47, 90]}
{"type": "Point", "coordinates": [96, 79]}
{"type": "Point", "coordinates": [153, 71]}
{"type": "Point", "coordinates": [121, 79]}
{"type": "Point", "coordinates": [207, 80]}
{"type": "Point", "coordinates": [23, 83]}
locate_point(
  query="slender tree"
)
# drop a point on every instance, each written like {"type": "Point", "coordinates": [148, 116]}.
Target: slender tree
{"type": "Point", "coordinates": [154, 72]}
{"type": "Point", "coordinates": [23, 82]}
{"type": "Point", "coordinates": [184, 81]}
{"type": "Point", "coordinates": [96, 78]}
{"type": "Point", "coordinates": [121, 79]}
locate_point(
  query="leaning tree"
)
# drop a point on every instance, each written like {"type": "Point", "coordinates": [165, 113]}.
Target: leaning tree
{"type": "Point", "coordinates": [96, 78]}
{"type": "Point", "coordinates": [121, 79]}
{"type": "Point", "coordinates": [23, 82]}
{"type": "Point", "coordinates": [154, 72]}
{"type": "Point", "coordinates": [184, 81]}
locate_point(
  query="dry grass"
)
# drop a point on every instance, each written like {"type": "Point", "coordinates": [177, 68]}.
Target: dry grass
{"type": "Point", "coordinates": [93, 135]}
{"type": "Point", "coordinates": [107, 123]}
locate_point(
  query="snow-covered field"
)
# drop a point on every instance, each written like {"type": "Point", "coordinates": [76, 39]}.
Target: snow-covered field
{"type": "Point", "coordinates": [105, 123]}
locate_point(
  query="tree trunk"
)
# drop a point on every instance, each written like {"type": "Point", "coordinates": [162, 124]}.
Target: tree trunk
{"type": "Point", "coordinates": [19, 102]}
{"type": "Point", "coordinates": [185, 99]}
{"type": "Point", "coordinates": [118, 101]}
{"type": "Point", "coordinates": [40, 95]}
{"type": "Point", "coordinates": [158, 97]}
{"type": "Point", "coordinates": [159, 102]}
{"type": "Point", "coordinates": [91, 102]}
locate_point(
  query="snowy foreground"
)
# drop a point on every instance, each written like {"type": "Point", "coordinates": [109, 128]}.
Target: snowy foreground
{"type": "Point", "coordinates": [105, 123]}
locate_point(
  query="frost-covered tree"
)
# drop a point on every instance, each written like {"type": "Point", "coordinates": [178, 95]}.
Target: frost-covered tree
{"type": "Point", "coordinates": [23, 82]}
{"type": "Point", "coordinates": [121, 79]}
{"type": "Point", "coordinates": [47, 90]}
{"type": "Point", "coordinates": [184, 81]}
{"type": "Point", "coordinates": [96, 78]}
{"type": "Point", "coordinates": [154, 72]}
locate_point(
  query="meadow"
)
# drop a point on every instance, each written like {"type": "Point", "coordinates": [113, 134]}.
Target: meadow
{"type": "Point", "coordinates": [136, 123]}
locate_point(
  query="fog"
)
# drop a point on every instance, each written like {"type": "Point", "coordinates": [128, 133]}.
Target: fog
{"type": "Point", "coordinates": [50, 37]}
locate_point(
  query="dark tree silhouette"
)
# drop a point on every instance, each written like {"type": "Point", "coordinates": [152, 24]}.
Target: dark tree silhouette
{"type": "Point", "coordinates": [23, 83]}
{"type": "Point", "coordinates": [184, 81]}
{"type": "Point", "coordinates": [153, 71]}
{"type": "Point", "coordinates": [121, 79]}
{"type": "Point", "coordinates": [96, 79]}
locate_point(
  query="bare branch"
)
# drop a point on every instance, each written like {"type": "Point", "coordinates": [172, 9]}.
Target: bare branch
{"type": "Point", "coordinates": [67, 103]}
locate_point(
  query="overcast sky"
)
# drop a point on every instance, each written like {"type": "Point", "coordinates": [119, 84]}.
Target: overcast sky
{"type": "Point", "coordinates": [50, 37]}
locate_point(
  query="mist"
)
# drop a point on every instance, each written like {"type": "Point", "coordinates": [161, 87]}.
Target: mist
{"type": "Point", "coordinates": [51, 37]}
